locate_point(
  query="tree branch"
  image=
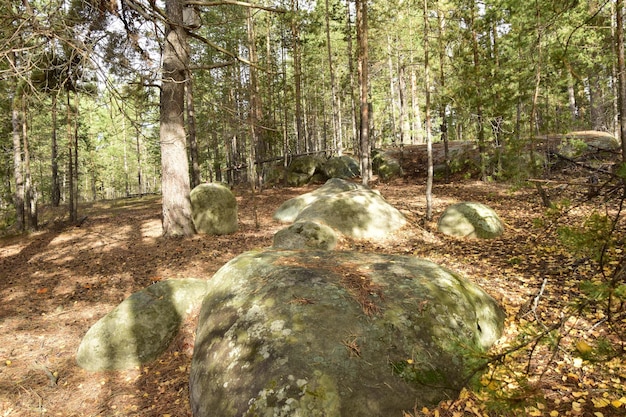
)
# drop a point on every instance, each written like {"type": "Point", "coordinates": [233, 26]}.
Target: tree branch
{"type": "Point", "coordinates": [234, 3]}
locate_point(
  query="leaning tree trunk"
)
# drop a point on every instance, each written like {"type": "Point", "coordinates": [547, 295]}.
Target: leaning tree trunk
{"type": "Point", "coordinates": [177, 220]}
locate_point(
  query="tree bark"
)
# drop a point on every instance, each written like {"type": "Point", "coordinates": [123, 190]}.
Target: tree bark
{"type": "Point", "coordinates": [177, 220]}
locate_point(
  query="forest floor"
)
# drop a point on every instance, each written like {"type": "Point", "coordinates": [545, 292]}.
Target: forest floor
{"type": "Point", "coordinates": [57, 282]}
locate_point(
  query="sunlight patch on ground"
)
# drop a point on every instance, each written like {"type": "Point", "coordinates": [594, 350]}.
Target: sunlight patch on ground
{"type": "Point", "coordinates": [11, 250]}
{"type": "Point", "coordinates": [151, 229]}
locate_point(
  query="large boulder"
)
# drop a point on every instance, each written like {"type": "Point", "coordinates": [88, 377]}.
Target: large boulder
{"type": "Point", "coordinates": [590, 139]}
{"type": "Point", "coordinates": [214, 209]}
{"type": "Point", "coordinates": [306, 235]}
{"type": "Point", "coordinates": [289, 210]}
{"type": "Point", "coordinates": [386, 166]}
{"type": "Point", "coordinates": [470, 219]}
{"type": "Point", "coordinates": [341, 167]}
{"type": "Point", "coordinates": [302, 169]}
{"type": "Point", "coordinates": [361, 214]}
{"type": "Point", "coordinates": [313, 333]}
{"type": "Point", "coordinates": [140, 328]}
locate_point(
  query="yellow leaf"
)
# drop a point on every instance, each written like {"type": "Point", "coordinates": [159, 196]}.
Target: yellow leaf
{"type": "Point", "coordinates": [583, 347]}
{"type": "Point", "coordinates": [600, 402]}
{"type": "Point", "coordinates": [598, 414]}
{"type": "Point", "coordinates": [616, 403]}
{"type": "Point", "coordinates": [554, 413]}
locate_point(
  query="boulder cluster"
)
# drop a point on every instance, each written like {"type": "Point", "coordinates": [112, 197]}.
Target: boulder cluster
{"type": "Point", "coordinates": [300, 329]}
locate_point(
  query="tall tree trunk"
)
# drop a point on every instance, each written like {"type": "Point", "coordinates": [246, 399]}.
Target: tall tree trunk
{"type": "Point", "coordinates": [18, 170]}
{"type": "Point", "coordinates": [54, 163]}
{"type": "Point", "coordinates": [621, 70]}
{"type": "Point", "coordinates": [429, 139]}
{"type": "Point", "coordinates": [30, 197]}
{"type": "Point", "coordinates": [337, 136]}
{"type": "Point", "coordinates": [140, 186]}
{"type": "Point", "coordinates": [177, 220]}
{"type": "Point", "coordinates": [254, 113]}
{"type": "Point", "coordinates": [416, 128]}
{"type": "Point", "coordinates": [363, 63]}
{"type": "Point", "coordinates": [482, 150]}
{"type": "Point", "coordinates": [191, 138]}
{"type": "Point", "coordinates": [72, 206]}
{"type": "Point", "coordinates": [535, 100]}
{"type": "Point", "coordinates": [353, 100]}
{"type": "Point", "coordinates": [404, 112]}
{"type": "Point", "coordinates": [297, 76]}
{"type": "Point", "coordinates": [442, 83]}
{"type": "Point", "coordinates": [392, 92]}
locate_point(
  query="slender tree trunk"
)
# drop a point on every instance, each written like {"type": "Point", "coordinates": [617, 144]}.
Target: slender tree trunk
{"type": "Point", "coordinates": [621, 71]}
{"type": "Point", "coordinates": [363, 63]}
{"type": "Point", "coordinates": [30, 197]}
{"type": "Point", "coordinates": [140, 186]}
{"type": "Point", "coordinates": [482, 150]}
{"type": "Point", "coordinates": [392, 92]}
{"type": "Point", "coordinates": [18, 170]}
{"type": "Point", "coordinates": [535, 100]}
{"type": "Point", "coordinates": [72, 206]}
{"type": "Point", "coordinates": [177, 220]}
{"type": "Point", "coordinates": [125, 157]}
{"type": "Point", "coordinates": [353, 99]}
{"type": "Point", "coordinates": [191, 138]}
{"type": "Point", "coordinates": [254, 113]}
{"type": "Point", "coordinates": [337, 136]}
{"type": "Point", "coordinates": [297, 75]}
{"type": "Point", "coordinates": [416, 128]}
{"type": "Point", "coordinates": [54, 163]}
{"type": "Point", "coordinates": [442, 82]}
{"type": "Point", "coordinates": [429, 139]}
{"type": "Point", "coordinates": [404, 112]}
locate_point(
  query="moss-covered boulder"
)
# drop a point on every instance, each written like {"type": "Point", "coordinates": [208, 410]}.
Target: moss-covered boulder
{"type": "Point", "coordinates": [577, 142]}
{"type": "Point", "coordinates": [289, 210]}
{"type": "Point", "coordinates": [141, 327]}
{"type": "Point", "coordinates": [341, 167]}
{"type": "Point", "coordinates": [386, 166]}
{"type": "Point", "coordinates": [214, 209]}
{"type": "Point", "coordinates": [306, 235]}
{"type": "Point", "coordinates": [302, 169]}
{"type": "Point", "coordinates": [470, 219]}
{"type": "Point", "coordinates": [361, 214]}
{"type": "Point", "coordinates": [315, 333]}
